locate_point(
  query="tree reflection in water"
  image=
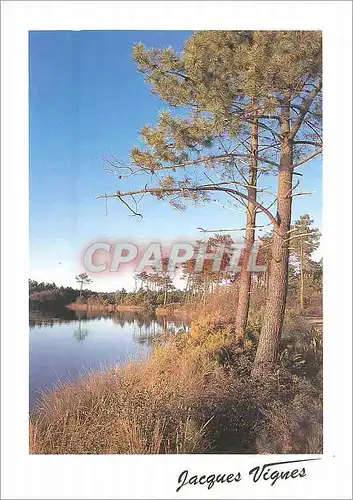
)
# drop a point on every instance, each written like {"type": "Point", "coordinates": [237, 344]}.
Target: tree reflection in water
{"type": "Point", "coordinates": [46, 318]}
{"type": "Point", "coordinates": [145, 326]}
{"type": "Point", "coordinates": [148, 331]}
{"type": "Point", "coordinates": [80, 333]}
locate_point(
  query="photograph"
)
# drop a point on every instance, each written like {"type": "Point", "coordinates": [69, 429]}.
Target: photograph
{"type": "Point", "coordinates": [176, 249]}
{"type": "Point", "coordinates": [176, 263]}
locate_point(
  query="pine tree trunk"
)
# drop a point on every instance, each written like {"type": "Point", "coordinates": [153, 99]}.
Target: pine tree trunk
{"type": "Point", "coordinates": [266, 354]}
{"type": "Point", "coordinates": [245, 275]}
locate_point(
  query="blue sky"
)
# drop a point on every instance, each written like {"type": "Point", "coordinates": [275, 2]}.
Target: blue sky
{"type": "Point", "coordinates": [86, 98]}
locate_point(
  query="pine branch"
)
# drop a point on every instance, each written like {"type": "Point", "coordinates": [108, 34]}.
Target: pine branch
{"type": "Point", "coordinates": [307, 158]}
{"type": "Point", "coordinates": [303, 109]}
{"type": "Point", "coordinates": [231, 229]}
{"type": "Point", "coordinates": [202, 188]}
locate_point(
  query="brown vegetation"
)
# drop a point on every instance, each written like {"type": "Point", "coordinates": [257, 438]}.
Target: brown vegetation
{"type": "Point", "coordinates": [194, 394]}
{"type": "Point", "coordinates": [75, 306]}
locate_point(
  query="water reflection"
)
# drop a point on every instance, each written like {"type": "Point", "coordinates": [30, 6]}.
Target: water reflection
{"type": "Point", "coordinates": [67, 345]}
{"type": "Point", "coordinates": [44, 318]}
{"type": "Point", "coordinates": [145, 326]}
{"type": "Point", "coordinates": [147, 332]}
{"type": "Point", "coordinates": [81, 333]}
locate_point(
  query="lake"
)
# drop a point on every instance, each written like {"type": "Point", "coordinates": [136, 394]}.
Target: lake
{"type": "Point", "coordinates": [71, 344]}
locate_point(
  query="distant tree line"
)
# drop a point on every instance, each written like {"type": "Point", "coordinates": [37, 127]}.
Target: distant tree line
{"type": "Point", "coordinates": [147, 299]}
{"type": "Point", "coordinates": [153, 289]}
{"type": "Point", "coordinates": [50, 297]}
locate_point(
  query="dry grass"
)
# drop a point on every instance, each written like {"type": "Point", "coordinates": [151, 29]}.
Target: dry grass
{"type": "Point", "coordinates": [144, 407]}
{"type": "Point", "coordinates": [192, 395]}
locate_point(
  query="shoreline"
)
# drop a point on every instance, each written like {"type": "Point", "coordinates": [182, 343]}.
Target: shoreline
{"type": "Point", "coordinates": [177, 312]}
{"type": "Point", "coordinates": [108, 308]}
{"type": "Point", "coordinates": [128, 402]}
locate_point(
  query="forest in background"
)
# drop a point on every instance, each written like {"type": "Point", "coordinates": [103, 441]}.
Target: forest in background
{"type": "Point", "coordinates": [154, 289]}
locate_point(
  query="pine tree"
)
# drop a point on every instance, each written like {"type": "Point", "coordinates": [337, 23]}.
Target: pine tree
{"type": "Point", "coordinates": [222, 117]}
{"type": "Point", "coordinates": [293, 76]}
{"type": "Point", "coordinates": [199, 154]}
{"type": "Point", "coordinates": [304, 241]}
{"type": "Point", "coordinates": [83, 279]}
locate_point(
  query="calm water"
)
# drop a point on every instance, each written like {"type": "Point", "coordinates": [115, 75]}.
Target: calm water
{"type": "Point", "coordinates": [70, 345]}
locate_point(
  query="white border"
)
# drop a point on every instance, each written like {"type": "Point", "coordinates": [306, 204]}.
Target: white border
{"type": "Point", "coordinates": [25, 476]}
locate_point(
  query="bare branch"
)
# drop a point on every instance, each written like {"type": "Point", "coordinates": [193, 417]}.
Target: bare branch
{"type": "Point", "coordinates": [203, 188]}
{"type": "Point", "coordinates": [231, 229]}
{"type": "Point", "coordinates": [307, 158]}
{"type": "Point", "coordinates": [310, 143]}
{"type": "Point", "coordinates": [125, 203]}
{"type": "Point", "coordinates": [296, 236]}
{"type": "Point", "coordinates": [302, 193]}
{"type": "Point", "coordinates": [197, 161]}
{"type": "Point", "coordinates": [292, 189]}
{"type": "Point", "coordinates": [304, 108]}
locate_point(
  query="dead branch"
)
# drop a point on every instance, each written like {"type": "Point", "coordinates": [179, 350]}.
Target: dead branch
{"type": "Point", "coordinates": [307, 158]}
{"type": "Point", "coordinates": [203, 188]}
{"type": "Point", "coordinates": [231, 229]}
{"type": "Point", "coordinates": [296, 236]}
{"type": "Point", "coordinates": [302, 193]}
{"type": "Point", "coordinates": [292, 189]}
{"type": "Point", "coordinates": [304, 108]}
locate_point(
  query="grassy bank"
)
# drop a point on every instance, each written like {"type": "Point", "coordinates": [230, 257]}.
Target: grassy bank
{"type": "Point", "coordinates": [193, 394]}
{"type": "Point", "coordinates": [183, 311]}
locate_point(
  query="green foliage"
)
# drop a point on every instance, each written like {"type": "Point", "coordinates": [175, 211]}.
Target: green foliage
{"type": "Point", "coordinates": [147, 299]}
{"type": "Point", "coordinates": [305, 274]}
{"type": "Point", "coordinates": [305, 239]}
{"type": "Point", "coordinates": [83, 279]}
{"type": "Point", "coordinates": [220, 81]}
{"type": "Point", "coordinates": [219, 70]}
